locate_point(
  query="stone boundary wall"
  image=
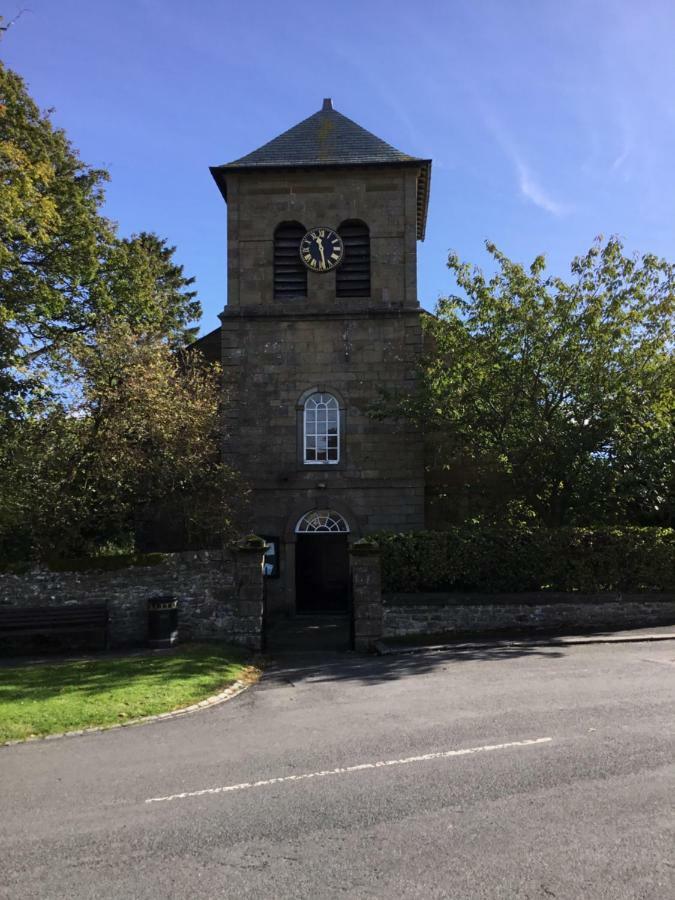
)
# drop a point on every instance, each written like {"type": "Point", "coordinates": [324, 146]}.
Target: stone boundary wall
{"type": "Point", "coordinates": [464, 614]}
{"type": "Point", "coordinates": [220, 594]}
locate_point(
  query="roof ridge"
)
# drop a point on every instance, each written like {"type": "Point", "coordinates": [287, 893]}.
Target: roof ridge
{"type": "Point", "coordinates": [325, 137]}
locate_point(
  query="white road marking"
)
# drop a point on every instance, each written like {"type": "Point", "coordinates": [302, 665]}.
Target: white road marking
{"type": "Point", "coordinates": [346, 770]}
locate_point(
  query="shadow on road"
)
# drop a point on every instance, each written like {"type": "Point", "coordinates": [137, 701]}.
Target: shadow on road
{"type": "Point", "coordinates": [293, 669]}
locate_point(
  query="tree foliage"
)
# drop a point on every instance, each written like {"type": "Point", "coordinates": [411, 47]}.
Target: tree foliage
{"type": "Point", "coordinates": [554, 397]}
{"type": "Point", "coordinates": [142, 433]}
{"type": "Point", "coordinates": [102, 415]}
{"type": "Point", "coordinates": [64, 272]}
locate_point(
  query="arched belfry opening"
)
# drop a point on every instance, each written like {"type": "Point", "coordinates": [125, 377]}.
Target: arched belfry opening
{"type": "Point", "coordinates": [353, 276]}
{"type": "Point", "coordinates": [290, 274]}
{"type": "Point", "coordinates": [322, 563]}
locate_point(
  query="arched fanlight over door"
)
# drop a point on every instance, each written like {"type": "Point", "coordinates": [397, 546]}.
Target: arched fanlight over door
{"type": "Point", "coordinates": [322, 520]}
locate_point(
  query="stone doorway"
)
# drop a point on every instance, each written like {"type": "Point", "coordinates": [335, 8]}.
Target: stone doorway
{"type": "Point", "coordinates": [321, 574]}
{"type": "Point", "coordinates": [321, 619]}
{"type": "Point", "coordinates": [322, 564]}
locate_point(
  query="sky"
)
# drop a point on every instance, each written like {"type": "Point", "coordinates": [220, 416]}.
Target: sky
{"type": "Point", "coordinates": [548, 123]}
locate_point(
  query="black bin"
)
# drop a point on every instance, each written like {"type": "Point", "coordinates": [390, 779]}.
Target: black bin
{"type": "Point", "coordinates": [162, 621]}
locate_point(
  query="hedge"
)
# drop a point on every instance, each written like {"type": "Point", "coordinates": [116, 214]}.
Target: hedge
{"type": "Point", "coordinates": [520, 558]}
{"type": "Point", "coordinates": [87, 563]}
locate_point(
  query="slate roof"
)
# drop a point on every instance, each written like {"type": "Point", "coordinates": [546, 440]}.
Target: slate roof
{"type": "Point", "coordinates": [208, 345]}
{"type": "Point", "coordinates": [328, 138]}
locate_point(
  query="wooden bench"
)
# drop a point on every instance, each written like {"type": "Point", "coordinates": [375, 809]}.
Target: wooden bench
{"type": "Point", "coordinates": [15, 621]}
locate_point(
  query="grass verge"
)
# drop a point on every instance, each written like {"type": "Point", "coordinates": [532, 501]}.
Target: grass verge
{"type": "Point", "coordinates": [36, 700]}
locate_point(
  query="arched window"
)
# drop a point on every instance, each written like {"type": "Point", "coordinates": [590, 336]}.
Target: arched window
{"type": "Point", "coordinates": [326, 520]}
{"type": "Point", "coordinates": [290, 273]}
{"type": "Point", "coordinates": [321, 430]}
{"type": "Point", "coordinates": [352, 278]}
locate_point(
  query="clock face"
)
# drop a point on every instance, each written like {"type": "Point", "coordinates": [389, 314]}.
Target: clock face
{"type": "Point", "coordinates": [321, 249]}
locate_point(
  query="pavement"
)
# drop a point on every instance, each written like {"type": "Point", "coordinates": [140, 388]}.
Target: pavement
{"type": "Point", "coordinates": [302, 633]}
{"type": "Point", "coordinates": [657, 633]}
{"type": "Point", "coordinates": [494, 772]}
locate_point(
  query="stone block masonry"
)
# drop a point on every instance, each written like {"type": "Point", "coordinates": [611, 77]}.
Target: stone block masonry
{"type": "Point", "coordinates": [474, 614]}
{"type": "Point", "coordinates": [220, 594]}
{"type": "Point", "coordinates": [277, 349]}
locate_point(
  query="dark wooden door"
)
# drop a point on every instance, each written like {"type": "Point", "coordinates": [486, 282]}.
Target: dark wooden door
{"type": "Point", "coordinates": [322, 573]}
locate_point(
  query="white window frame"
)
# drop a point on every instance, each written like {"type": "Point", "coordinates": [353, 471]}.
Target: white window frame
{"type": "Point", "coordinates": [322, 521]}
{"type": "Point", "coordinates": [312, 434]}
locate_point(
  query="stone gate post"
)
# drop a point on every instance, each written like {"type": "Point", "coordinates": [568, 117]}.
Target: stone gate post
{"type": "Point", "coordinates": [250, 553]}
{"type": "Point", "coordinates": [366, 578]}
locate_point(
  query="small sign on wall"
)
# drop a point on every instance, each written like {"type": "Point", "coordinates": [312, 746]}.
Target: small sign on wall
{"type": "Point", "coordinates": [271, 563]}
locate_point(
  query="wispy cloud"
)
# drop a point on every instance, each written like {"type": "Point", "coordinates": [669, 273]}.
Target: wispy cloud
{"type": "Point", "coordinates": [533, 191]}
{"type": "Point", "coordinates": [528, 182]}
{"type": "Point", "coordinates": [373, 76]}
{"type": "Point", "coordinates": [620, 159]}
{"type": "Point", "coordinates": [628, 144]}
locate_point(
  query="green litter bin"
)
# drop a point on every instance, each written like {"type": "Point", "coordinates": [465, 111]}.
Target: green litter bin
{"type": "Point", "coordinates": [162, 621]}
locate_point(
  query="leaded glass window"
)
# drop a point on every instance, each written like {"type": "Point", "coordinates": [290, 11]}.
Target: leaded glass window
{"type": "Point", "coordinates": [321, 520]}
{"type": "Point", "coordinates": [321, 430]}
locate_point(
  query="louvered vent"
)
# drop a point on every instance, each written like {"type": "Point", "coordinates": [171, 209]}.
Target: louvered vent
{"type": "Point", "coordinates": [290, 273]}
{"type": "Point", "coordinates": [352, 277]}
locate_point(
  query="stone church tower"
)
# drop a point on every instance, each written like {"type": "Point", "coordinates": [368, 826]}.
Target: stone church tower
{"type": "Point", "coordinates": [309, 338]}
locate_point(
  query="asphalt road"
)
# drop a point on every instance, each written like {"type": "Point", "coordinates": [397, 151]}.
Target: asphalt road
{"type": "Point", "coordinates": [276, 793]}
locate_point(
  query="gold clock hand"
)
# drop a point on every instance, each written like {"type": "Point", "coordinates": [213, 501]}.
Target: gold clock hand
{"type": "Point", "coordinates": [320, 243]}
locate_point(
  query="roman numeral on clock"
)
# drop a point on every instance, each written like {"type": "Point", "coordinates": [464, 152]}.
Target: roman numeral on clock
{"type": "Point", "coordinates": [321, 249]}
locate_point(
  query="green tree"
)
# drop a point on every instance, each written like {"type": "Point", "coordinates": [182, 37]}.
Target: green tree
{"type": "Point", "coordinates": [553, 397]}
{"type": "Point", "coordinates": [102, 413]}
{"type": "Point", "coordinates": [64, 272]}
{"type": "Point", "coordinates": [141, 434]}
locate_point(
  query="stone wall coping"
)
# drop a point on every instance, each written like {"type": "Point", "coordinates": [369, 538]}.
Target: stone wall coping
{"type": "Point", "coordinates": [533, 598]}
{"type": "Point", "coordinates": [112, 565]}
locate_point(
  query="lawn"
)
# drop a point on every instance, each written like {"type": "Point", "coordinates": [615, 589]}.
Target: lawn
{"type": "Point", "coordinates": [47, 699]}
